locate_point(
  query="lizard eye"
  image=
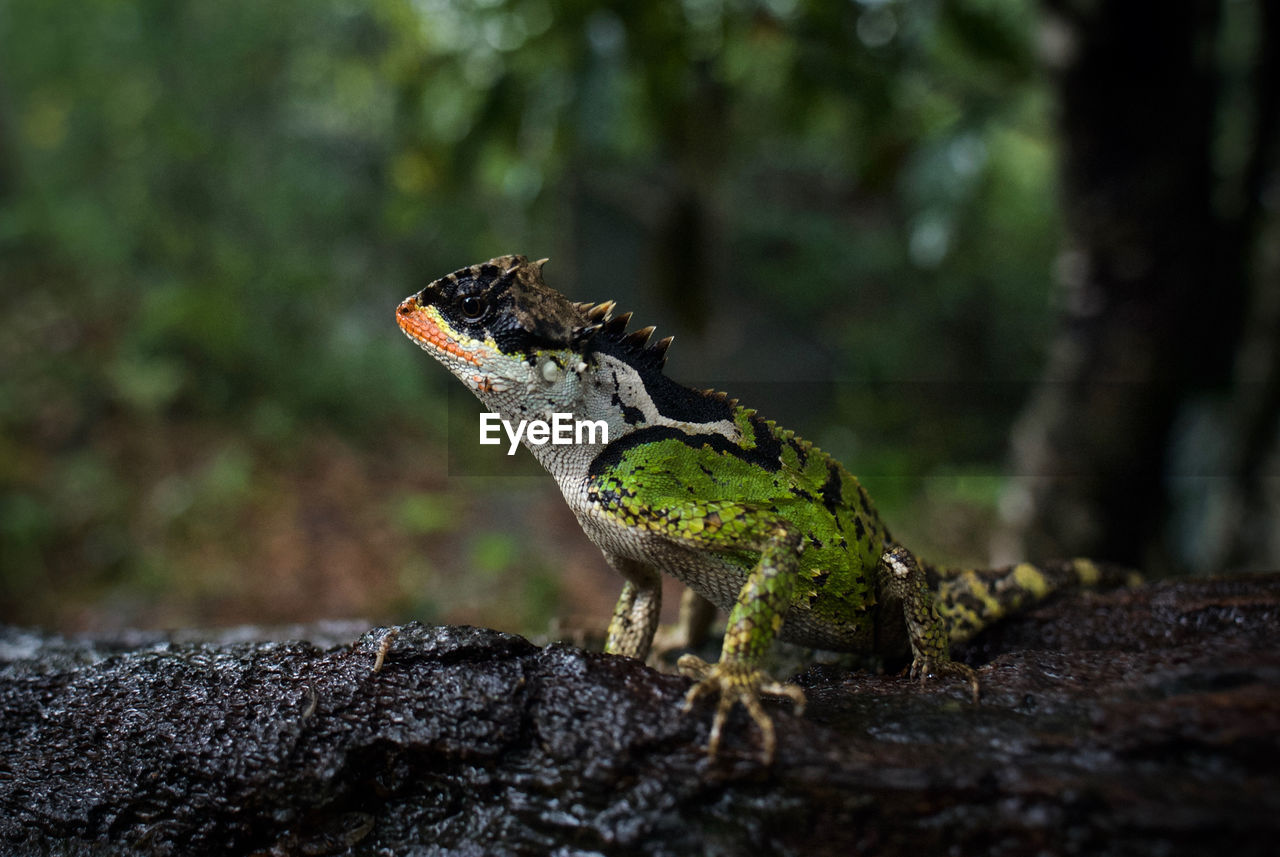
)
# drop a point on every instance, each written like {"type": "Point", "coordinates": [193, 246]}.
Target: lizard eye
{"type": "Point", "coordinates": [473, 308]}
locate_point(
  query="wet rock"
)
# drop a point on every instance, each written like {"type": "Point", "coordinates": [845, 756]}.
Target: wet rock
{"type": "Point", "coordinates": [1141, 721]}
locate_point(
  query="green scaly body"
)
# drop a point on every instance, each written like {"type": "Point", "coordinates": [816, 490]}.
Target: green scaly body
{"type": "Point", "coordinates": [755, 520]}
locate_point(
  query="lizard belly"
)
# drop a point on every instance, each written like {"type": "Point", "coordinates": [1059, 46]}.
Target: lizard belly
{"type": "Point", "coordinates": [719, 580]}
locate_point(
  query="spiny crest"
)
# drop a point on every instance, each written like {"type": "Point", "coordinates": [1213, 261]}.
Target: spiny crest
{"type": "Point", "coordinates": [640, 338]}
{"type": "Point", "coordinates": [500, 268]}
{"type": "Point", "coordinates": [613, 329]}
{"type": "Point", "coordinates": [616, 326]}
{"type": "Point", "coordinates": [713, 393]}
{"type": "Point", "coordinates": [598, 313]}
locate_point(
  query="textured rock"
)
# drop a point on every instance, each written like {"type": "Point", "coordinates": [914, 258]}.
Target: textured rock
{"type": "Point", "coordinates": [1144, 721]}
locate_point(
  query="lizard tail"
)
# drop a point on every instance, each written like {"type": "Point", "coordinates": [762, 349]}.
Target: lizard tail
{"type": "Point", "coordinates": [971, 599]}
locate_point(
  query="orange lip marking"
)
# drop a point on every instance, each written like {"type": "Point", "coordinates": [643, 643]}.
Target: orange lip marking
{"type": "Point", "coordinates": [414, 321]}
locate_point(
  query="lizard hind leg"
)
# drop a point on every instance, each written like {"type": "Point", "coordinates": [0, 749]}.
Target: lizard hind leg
{"type": "Point", "coordinates": [900, 574]}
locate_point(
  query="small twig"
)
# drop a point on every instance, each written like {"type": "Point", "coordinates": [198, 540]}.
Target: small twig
{"type": "Point", "coordinates": [384, 646]}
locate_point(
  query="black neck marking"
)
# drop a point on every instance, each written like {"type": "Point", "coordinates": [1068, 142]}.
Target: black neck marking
{"type": "Point", "coordinates": [766, 454]}
{"type": "Point", "coordinates": [673, 400]}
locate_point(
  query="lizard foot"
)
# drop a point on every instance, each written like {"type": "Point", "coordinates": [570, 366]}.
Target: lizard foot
{"type": "Point", "coordinates": [736, 682]}
{"type": "Point", "coordinates": [921, 667]}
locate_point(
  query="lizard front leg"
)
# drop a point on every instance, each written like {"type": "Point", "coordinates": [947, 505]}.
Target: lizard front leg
{"type": "Point", "coordinates": [635, 616]}
{"type": "Point", "coordinates": [901, 575]}
{"type": "Point", "coordinates": [691, 629]}
{"type": "Point", "coordinates": [754, 623]}
{"type": "Point", "coordinates": [735, 529]}
{"type": "Point", "coordinates": [696, 615]}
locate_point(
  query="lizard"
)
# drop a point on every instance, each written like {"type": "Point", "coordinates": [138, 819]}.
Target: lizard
{"type": "Point", "coordinates": [749, 516]}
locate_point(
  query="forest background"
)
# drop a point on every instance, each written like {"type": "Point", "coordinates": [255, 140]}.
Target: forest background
{"type": "Point", "coordinates": [1014, 264]}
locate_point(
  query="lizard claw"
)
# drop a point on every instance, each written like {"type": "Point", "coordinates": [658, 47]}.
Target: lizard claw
{"type": "Point", "coordinates": [922, 666]}
{"type": "Point", "coordinates": [736, 682]}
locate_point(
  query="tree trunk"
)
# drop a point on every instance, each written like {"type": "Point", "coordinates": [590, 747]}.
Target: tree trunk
{"type": "Point", "coordinates": [1155, 281]}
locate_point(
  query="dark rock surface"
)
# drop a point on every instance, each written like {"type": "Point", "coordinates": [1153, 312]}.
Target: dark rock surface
{"type": "Point", "coordinates": [1141, 721]}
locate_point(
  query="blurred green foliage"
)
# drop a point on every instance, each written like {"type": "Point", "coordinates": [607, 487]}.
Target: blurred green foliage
{"type": "Point", "coordinates": [208, 210]}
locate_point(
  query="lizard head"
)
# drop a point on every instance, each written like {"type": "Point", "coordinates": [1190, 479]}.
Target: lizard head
{"type": "Point", "coordinates": [515, 342]}
{"type": "Point", "coordinates": [529, 352]}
